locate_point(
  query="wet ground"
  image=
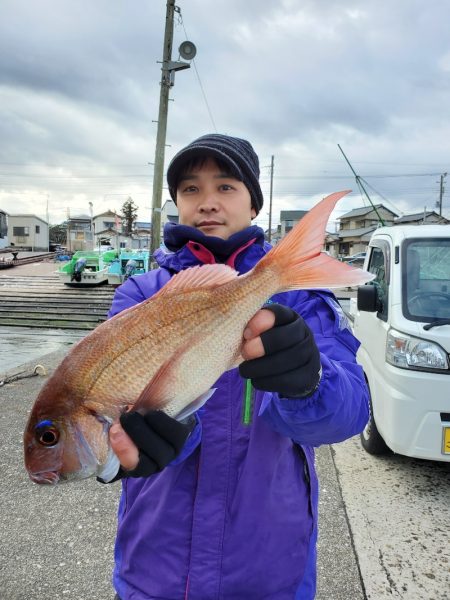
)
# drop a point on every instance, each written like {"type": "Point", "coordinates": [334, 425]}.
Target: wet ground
{"type": "Point", "coordinates": [19, 345]}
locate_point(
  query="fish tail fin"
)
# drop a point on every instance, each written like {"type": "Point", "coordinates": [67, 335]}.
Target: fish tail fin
{"type": "Point", "coordinates": [298, 262]}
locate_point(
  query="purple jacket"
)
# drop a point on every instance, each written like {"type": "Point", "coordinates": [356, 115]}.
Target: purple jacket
{"type": "Point", "coordinates": [234, 517]}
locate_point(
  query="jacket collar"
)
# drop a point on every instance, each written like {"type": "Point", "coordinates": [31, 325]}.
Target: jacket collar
{"type": "Point", "coordinates": [187, 247]}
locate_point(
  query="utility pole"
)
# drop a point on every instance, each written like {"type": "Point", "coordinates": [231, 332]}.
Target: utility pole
{"type": "Point", "coordinates": [188, 51]}
{"type": "Point", "coordinates": [270, 202]}
{"type": "Point", "coordinates": [158, 173]}
{"type": "Point", "coordinates": [441, 193]}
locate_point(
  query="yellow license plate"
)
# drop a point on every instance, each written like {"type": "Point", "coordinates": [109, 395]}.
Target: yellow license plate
{"type": "Point", "coordinates": [446, 440]}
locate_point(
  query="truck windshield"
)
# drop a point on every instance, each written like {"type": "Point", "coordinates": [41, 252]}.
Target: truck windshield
{"type": "Point", "coordinates": [426, 277]}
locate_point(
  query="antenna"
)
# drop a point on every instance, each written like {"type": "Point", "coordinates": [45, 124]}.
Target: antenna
{"type": "Point", "coordinates": [358, 181]}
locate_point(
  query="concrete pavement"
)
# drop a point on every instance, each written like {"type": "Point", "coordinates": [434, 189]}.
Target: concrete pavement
{"type": "Point", "coordinates": [58, 542]}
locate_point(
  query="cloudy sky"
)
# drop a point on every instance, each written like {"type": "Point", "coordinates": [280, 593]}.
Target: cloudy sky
{"type": "Point", "coordinates": [79, 96]}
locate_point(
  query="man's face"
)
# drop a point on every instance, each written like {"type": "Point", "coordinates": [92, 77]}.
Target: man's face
{"type": "Point", "coordinates": [213, 202]}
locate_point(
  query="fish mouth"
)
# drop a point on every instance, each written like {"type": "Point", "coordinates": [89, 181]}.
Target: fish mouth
{"type": "Point", "coordinates": [45, 477]}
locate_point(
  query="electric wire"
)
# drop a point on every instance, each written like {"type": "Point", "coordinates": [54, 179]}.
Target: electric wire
{"type": "Point", "coordinates": [180, 19]}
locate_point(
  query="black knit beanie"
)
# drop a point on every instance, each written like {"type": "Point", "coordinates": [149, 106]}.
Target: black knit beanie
{"type": "Point", "coordinates": [236, 153]}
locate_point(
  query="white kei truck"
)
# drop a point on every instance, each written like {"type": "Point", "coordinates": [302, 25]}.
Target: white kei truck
{"type": "Point", "coordinates": [402, 319]}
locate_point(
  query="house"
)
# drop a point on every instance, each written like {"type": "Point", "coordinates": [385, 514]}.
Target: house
{"type": "Point", "coordinates": [142, 234]}
{"type": "Point", "coordinates": [29, 232]}
{"type": "Point", "coordinates": [356, 228]}
{"type": "Point", "coordinates": [430, 217]}
{"type": "Point", "coordinates": [331, 243]}
{"type": "Point", "coordinates": [289, 218]}
{"type": "Point", "coordinates": [79, 233]}
{"type": "Point", "coordinates": [3, 229]}
{"type": "Point", "coordinates": [108, 230]}
{"type": "Point", "coordinates": [169, 212]}
{"type": "Point", "coordinates": [112, 237]}
{"type": "Point", "coordinates": [107, 220]}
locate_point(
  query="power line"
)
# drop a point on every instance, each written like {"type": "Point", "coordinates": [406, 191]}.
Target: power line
{"type": "Point", "coordinates": [180, 18]}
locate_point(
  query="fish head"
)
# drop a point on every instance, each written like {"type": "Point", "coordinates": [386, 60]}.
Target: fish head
{"type": "Point", "coordinates": [65, 448]}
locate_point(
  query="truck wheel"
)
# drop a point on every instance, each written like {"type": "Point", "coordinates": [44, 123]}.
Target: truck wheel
{"type": "Point", "coordinates": [371, 440]}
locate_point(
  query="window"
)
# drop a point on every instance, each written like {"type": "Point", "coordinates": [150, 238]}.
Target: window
{"type": "Point", "coordinates": [426, 279]}
{"type": "Point", "coordinates": [378, 266]}
{"type": "Point", "coordinates": [38, 229]}
{"type": "Point", "coordinates": [21, 231]}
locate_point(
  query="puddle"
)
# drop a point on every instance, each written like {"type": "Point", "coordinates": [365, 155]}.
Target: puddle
{"type": "Point", "coordinates": [19, 345]}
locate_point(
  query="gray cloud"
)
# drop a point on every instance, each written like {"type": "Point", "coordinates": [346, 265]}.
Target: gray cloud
{"type": "Point", "coordinates": [79, 89]}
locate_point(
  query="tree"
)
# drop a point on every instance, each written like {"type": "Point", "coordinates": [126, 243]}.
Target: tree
{"type": "Point", "coordinates": [58, 233]}
{"type": "Point", "coordinates": [129, 215]}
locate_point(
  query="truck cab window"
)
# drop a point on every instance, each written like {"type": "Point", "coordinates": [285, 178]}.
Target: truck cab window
{"type": "Point", "coordinates": [377, 266]}
{"type": "Point", "coordinates": [426, 277]}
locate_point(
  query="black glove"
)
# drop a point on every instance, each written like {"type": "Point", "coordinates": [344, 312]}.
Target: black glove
{"type": "Point", "coordinates": [291, 365]}
{"type": "Point", "coordinates": [158, 437]}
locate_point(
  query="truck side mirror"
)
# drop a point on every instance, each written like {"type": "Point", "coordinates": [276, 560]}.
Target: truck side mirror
{"type": "Point", "coordinates": [368, 298]}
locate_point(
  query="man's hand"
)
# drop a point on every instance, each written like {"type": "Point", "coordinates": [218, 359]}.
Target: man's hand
{"type": "Point", "coordinates": [280, 353]}
{"type": "Point", "coordinates": [123, 447]}
{"type": "Point", "coordinates": [145, 444]}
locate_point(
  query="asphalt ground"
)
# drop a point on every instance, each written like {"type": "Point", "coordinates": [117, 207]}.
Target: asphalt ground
{"type": "Point", "coordinates": [57, 542]}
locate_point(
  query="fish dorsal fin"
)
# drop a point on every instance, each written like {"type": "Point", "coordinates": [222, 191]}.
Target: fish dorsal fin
{"type": "Point", "coordinates": [204, 276]}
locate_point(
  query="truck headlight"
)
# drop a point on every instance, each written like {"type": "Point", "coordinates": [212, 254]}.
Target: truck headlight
{"type": "Point", "coordinates": [409, 352]}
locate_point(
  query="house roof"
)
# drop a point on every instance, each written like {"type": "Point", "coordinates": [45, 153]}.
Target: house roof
{"type": "Point", "coordinates": [108, 230]}
{"type": "Point", "coordinates": [292, 215]}
{"type": "Point", "coordinates": [364, 210]}
{"type": "Point", "coordinates": [418, 217]}
{"type": "Point", "coordinates": [28, 215]}
{"type": "Point", "coordinates": [80, 218]}
{"type": "Point", "coordinates": [362, 231]}
{"type": "Point", "coordinates": [108, 213]}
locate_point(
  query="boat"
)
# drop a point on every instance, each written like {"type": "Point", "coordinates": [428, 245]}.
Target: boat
{"type": "Point", "coordinates": [129, 262]}
{"type": "Point", "coordinates": [87, 268]}
{"type": "Point", "coordinates": [6, 263]}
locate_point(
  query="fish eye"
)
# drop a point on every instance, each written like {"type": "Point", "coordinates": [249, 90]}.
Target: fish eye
{"type": "Point", "coordinates": [47, 434]}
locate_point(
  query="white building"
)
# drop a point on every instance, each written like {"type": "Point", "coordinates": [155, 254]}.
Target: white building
{"type": "Point", "coordinates": [169, 212]}
{"type": "Point", "coordinates": [107, 220]}
{"type": "Point", "coordinates": [108, 230]}
{"type": "Point", "coordinates": [79, 233]}
{"type": "Point", "coordinates": [3, 229]}
{"type": "Point", "coordinates": [28, 231]}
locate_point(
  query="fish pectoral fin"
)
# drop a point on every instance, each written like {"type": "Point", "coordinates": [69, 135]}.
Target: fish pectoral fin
{"type": "Point", "coordinates": [158, 391]}
{"type": "Point", "coordinates": [195, 405]}
{"type": "Point", "coordinates": [204, 276]}
{"type": "Point", "coordinates": [99, 411]}
{"type": "Point", "coordinates": [110, 468]}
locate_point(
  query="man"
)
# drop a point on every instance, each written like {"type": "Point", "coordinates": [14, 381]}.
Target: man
{"type": "Point", "coordinates": [224, 505]}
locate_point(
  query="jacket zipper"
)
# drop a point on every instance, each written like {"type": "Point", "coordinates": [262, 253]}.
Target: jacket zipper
{"type": "Point", "coordinates": [248, 402]}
